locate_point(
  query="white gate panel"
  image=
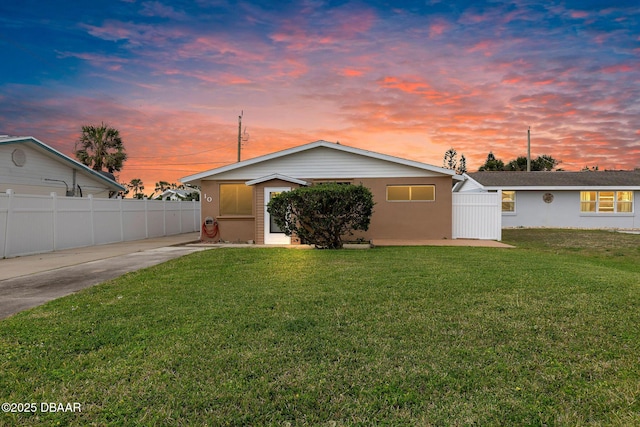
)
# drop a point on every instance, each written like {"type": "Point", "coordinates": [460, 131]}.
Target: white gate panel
{"type": "Point", "coordinates": [477, 216]}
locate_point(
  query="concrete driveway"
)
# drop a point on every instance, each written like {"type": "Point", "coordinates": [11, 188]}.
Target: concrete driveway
{"type": "Point", "coordinates": [29, 281]}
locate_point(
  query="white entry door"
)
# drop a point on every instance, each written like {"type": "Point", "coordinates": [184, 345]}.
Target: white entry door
{"type": "Point", "coordinates": [273, 235]}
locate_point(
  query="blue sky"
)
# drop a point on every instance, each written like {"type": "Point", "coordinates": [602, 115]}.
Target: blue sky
{"type": "Point", "coordinates": [410, 79]}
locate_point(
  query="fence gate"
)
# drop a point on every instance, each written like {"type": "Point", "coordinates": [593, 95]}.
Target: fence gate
{"type": "Point", "coordinates": [477, 216]}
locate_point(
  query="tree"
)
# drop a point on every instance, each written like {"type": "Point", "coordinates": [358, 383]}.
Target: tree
{"type": "Point", "coordinates": [100, 148]}
{"type": "Point", "coordinates": [462, 166]}
{"type": "Point", "coordinates": [137, 187]}
{"type": "Point", "coordinates": [162, 186]}
{"type": "Point", "coordinates": [492, 164]}
{"type": "Point", "coordinates": [544, 163]}
{"type": "Point", "coordinates": [323, 214]}
{"type": "Point", "coordinates": [519, 164]}
{"type": "Point", "coordinates": [540, 163]}
{"type": "Point", "coordinates": [450, 159]}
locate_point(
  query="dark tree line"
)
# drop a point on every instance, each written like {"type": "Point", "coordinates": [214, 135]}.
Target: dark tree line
{"type": "Point", "coordinates": [540, 163]}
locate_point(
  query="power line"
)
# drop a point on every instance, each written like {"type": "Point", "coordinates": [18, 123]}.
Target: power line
{"type": "Point", "coordinates": [157, 169]}
{"type": "Point", "coordinates": [186, 164]}
{"type": "Point", "coordinates": [186, 154]}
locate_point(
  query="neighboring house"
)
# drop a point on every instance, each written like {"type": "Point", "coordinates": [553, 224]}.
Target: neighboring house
{"type": "Point", "coordinates": [28, 166]}
{"type": "Point", "coordinates": [177, 194]}
{"type": "Point", "coordinates": [606, 199]}
{"type": "Point", "coordinates": [413, 200]}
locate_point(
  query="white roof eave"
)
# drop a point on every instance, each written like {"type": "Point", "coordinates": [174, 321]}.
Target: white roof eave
{"type": "Point", "coordinates": [563, 188]}
{"type": "Point", "coordinates": [212, 172]}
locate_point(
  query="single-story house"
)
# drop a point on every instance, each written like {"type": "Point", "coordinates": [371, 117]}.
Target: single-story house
{"type": "Point", "coordinates": [413, 200]}
{"type": "Point", "coordinates": [590, 199]}
{"type": "Point", "coordinates": [29, 166]}
{"type": "Point", "coordinates": [177, 194]}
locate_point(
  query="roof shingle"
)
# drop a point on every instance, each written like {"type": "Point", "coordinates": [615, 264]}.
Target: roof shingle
{"type": "Point", "coordinates": [557, 179]}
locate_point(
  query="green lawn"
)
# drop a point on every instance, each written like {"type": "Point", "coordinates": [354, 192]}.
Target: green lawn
{"type": "Point", "coordinates": [544, 334]}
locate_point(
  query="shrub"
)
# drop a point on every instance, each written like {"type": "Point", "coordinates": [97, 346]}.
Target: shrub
{"type": "Point", "coordinates": [323, 214]}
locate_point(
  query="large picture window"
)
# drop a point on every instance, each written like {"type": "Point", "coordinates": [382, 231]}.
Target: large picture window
{"type": "Point", "coordinates": [411, 193]}
{"type": "Point", "coordinates": [236, 199]}
{"type": "Point", "coordinates": [606, 201]}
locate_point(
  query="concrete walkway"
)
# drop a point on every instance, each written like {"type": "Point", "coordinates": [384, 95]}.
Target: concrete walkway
{"type": "Point", "coordinates": [443, 242]}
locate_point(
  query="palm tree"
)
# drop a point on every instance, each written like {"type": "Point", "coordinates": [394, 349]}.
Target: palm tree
{"type": "Point", "coordinates": [100, 147]}
{"type": "Point", "coordinates": [137, 187]}
{"type": "Point", "coordinates": [165, 185]}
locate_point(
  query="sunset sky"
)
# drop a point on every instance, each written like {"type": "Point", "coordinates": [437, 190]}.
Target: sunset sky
{"type": "Point", "coordinates": [405, 78]}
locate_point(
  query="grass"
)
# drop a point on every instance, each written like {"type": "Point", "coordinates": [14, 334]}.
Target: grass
{"type": "Point", "coordinates": [544, 334]}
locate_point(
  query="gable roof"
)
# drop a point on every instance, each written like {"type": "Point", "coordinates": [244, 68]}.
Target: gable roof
{"type": "Point", "coordinates": [557, 180]}
{"type": "Point", "coordinates": [306, 148]}
{"type": "Point", "coordinates": [55, 154]}
{"type": "Point", "coordinates": [276, 176]}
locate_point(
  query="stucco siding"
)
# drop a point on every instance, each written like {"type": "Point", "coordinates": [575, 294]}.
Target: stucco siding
{"type": "Point", "coordinates": [564, 212]}
{"type": "Point", "coordinates": [410, 220]}
{"type": "Point", "coordinates": [390, 220]}
{"type": "Point", "coordinates": [231, 228]}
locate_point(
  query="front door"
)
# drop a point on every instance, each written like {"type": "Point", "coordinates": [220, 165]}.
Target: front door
{"type": "Point", "coordinates": [273, 235]}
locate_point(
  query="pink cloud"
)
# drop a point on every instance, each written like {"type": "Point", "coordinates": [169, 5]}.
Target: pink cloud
{"type": "Point", "coordinates": [438, 28]}
{"type": "Point", "coordinates": [484, 46]}
{"type": "Point", "coordinates": [339, 25]}
{"type": "Point", "coordinates": [350, 72]}
{"type": "Point", "coordinates": [578, 14]}
{"type": "Point", "coordinates": [620, 68]}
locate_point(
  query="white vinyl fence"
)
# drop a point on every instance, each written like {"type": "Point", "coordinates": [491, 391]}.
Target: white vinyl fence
{"type": "Point", "coordinates": [477, 216]}
{"type": "Point", "coordinates": [36, 224]}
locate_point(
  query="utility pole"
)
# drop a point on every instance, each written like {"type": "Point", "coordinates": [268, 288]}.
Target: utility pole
{"type": "Point", "coordinates": [240, 133]}
{"type": "Point", "coordinates": [528, 150]}
{"type": "Point", "coordinates": [241, 137]}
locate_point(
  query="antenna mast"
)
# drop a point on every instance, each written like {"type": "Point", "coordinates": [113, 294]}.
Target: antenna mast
{"type": "Point", "coordinates": [529, 149]}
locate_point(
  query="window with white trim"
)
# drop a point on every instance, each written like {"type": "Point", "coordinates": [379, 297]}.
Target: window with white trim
{"type": "Point", "coordinates": [606, 201]}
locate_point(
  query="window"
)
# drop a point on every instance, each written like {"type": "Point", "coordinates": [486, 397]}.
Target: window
{"type": "Point", "coordinates": [236, 199]}
{"type": "Point", "coordinates": [508, 201]}
{"type": "Point", "coordinates": [588, 201]}
{"type": "Point", "coordinates": [411, 193]}
{"type": "Point", "coordinates": [606, 201]}
{"type": "Point", "coordinates": [624, 201]}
